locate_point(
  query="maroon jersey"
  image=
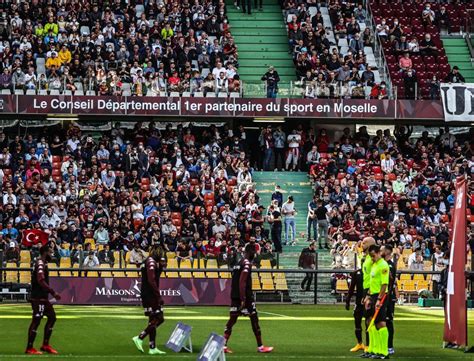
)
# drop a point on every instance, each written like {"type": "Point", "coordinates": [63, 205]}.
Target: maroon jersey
{"type": "Point", "coordinates": [40, 281]}
{"type": "Point", "coordinates": [150, 291]}
{"type": "Point", "coordinates": [242, 281]}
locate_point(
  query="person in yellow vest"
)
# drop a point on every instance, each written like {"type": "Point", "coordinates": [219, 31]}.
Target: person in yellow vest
{"type": "Point", "coordinates": [64, 55]}
{"type": "Point", "coordinates": [51, 25]}
{"type": "Point", "coordinates": [39, 30]}
{"type": "Point", "coordinates": [53, 61]}
{"type": "Point", "coordinates": [167, 32]}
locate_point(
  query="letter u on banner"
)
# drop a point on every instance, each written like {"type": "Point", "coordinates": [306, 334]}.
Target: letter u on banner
{"type": "Point", "coordinates": [458, 102]}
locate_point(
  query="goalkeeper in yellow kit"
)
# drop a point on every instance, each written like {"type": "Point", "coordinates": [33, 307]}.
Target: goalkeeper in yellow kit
{"type": "Point", "coordinates": [379, 280]}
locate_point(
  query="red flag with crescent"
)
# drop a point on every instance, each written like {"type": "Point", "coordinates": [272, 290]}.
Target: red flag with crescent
{"type": "Point", "coordinates": [34, 236]}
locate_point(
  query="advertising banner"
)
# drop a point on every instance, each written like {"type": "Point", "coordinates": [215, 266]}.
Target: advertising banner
{"type": "Point", "coordinates": [455, 312]}
{"type": "Point", "coordinates": [242, 107]}
{"type": "Point", "coordinates": [458, 102]}
{"type": "Point", "coordinates": [126, 290]}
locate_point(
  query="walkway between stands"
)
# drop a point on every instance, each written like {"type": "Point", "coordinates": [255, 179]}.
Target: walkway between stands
{"type": "Point", "coordinates": [262, 41]}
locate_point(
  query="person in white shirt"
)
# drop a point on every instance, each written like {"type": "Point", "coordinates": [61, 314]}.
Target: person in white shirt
{"type": "Point", "coordinates": [387, 164]}
{"type": "Point", "coordinates": [288, 211]}
{"type": "Point", "coordinates": [293, 156]}
{"type": "Point", "coordinates": [313, 156]}
{"type": "Point", "coordinates": [91, 261]}
{"type": "Point", "coordinates": [49, 219]}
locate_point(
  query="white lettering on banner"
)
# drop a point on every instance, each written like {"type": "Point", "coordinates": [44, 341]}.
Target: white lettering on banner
{"type": "Point", "coordinates": [458, 102]}
{"type": "Point", "coordinates": [104, 291]}
{"type": "Point", "coordinates": [229, 107]}
{"type": "Point", "coordinates": [39, 104]}
{"type": "Point", "coordinates": [361, 108]}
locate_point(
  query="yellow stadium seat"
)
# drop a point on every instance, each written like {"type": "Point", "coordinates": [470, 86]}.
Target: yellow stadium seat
{"type": "Point", "coordinates": [280, 282]}
{"type": "Point", "coordinates": [91, 241]}
{"type": "Point", "coordinates": [224, 275]}
{"type": "Point", "coordinates": [92, 274]}
{"type": "Point", "coordinates": [185, 264]}
{"type": "Point", "coordinates": [25, 256]}
{"type": "Point", "coordinates": [75, 272]}
{"type": "Point", "coordinates": [53, 269]}
{"type": "Point", "coordinates": [342, 286]}
{"type": "Point", "coordinates": [212, 264]}
{"type": "Point", "coordinates": [132, 266]}
{"type": "Point", "coordinates": [11, 276]}
{"type": "Point", "coordinates": [101, 247]}
{"type": "Point", "coordinates": [405, 277]}
{"type": "Point", "coordinates": [256, 282]}
{"type": "Point", "coordinates": [422, 285]}
{"type": "Point", "coordinates": [265, 264]}
{"type": "Point", "coordinates": [127, 257]}
{"type": "Point", "coordinates": [25, 276]}
{"type": "Point", "coordinates": [170, 255]}
{"type": "Point", "coordinates": [172, 263]}
{"type": "Point", "coordinates": [401, 265]}
{"type": "Point", "coordinates": [406, 253]}
{"type": "Point", "coordinates": [408, 286]}
{"type": "Point", "coordinates": [105, 273]}
{"type": "Point", "coordinates": [118, 258]}
{"type": "Point", "coordinates": [418, 277]}
{"type": "Point", "coordinates": [427, 265]}
{"type": "Point", "coordinates": [267, 284]}
{"type": "Point", "coordinates": [198, 263]}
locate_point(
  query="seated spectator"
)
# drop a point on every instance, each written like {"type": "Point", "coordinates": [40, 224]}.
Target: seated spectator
{"type": "Point", "coordinates": [368, 37]}
{"type": "Point", "coordinates": [428, 15]}
{"type": "Point", "coordinates": [106, 256]}
{"type": "Point", "coordinates": [405, 63]}
{"type": "Point", "coordinates": [455, 76]}
{"type": "Point", "coordinates": [427, 46]}
{"type": "Point", "coordinates": [413, 46]}
{"type": "Point", "coordinates": [382, 29]}
{"type": "Point", "coordinates": [379, 91]}
{"type": "Point", "coordinates": [183, 251]}
{"type": "Point", "coordinates": [198, 250]}
{"type": "Point", "coordinates": [91, 261]}
{"type": "Point", "coordinates": [137, 255]}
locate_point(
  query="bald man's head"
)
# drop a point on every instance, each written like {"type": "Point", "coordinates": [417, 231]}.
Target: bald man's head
{"type": "Point", "coordinates": [367, 242]}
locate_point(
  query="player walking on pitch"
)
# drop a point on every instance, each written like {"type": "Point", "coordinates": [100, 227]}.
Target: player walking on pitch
{"type": "Point", "coordinates": [379, 281]}
{"type": "Point", "coordinates": [151, 298]}
{"type": "Point", "coordinates": [40, 290]}
{"type": "Point", "coordinates": [242, 301]}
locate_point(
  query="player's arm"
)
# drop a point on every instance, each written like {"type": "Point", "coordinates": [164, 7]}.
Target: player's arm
{"type": "Point", "coordinates": [150, 270]}
{"type": "Point", "coordinates": [43, 284]}
{"type": "Point", "coordinates": [243, 282]}
{"type": "Point", "coordinates": [385, 276]}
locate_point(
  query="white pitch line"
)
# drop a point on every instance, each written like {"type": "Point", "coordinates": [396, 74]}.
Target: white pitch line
{"type": "Point", "coordinates": [274, 355]}
{"type": "Point", "coordinates": [273, 314]}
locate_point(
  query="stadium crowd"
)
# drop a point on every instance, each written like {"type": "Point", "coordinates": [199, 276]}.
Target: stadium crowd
{"type": "Point", "coordinates": [118, 47]}
{"type": "Point", "coordinates": [398, 190]}
{"type": "Point", "coordinates": [126, 190]}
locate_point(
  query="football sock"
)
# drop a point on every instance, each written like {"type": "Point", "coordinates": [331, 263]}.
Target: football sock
{"type": "Point", "coordinates": [256, 329]}
{"type": "Point", "coordinates": [367, 339]}
{"type": "Point", "coordinates": [390, 333]}
{"type": "Point", "coordinates": [376, 337]}
{"type": "Point", "coordinates": [228, 327]}
{"type": "Point", "coordinates": [358, 334]}
{"type": "Point", "coordinates": [48, 329]}
{"type": "Point", "coordinates": [32, 331]}
{"type": "Point", "coordinates": [372, 340]}
{"type": "Point", "coordinates": [383, 341]}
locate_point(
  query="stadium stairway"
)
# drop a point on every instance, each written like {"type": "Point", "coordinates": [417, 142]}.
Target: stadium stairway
{"type": "Point", "coordinates": [262, 41]}
{"type": "Point", "coordinates": [458, 54]}
{"type": "Point", "coordinates": [297, 185]}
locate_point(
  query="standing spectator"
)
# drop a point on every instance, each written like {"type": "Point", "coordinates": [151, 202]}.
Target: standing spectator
{"type": "Point", "coordinates": [410, 83]}
{"type": "Point", "coordinates": [312, 220]}
{"type": "Point", "coordinates": [274, 219]}
{"type": "Point", "coordinates": [279, 138]}
{"type": "Point", "coordinates": [271, 79]}
{"type": "Point", "coordinates": [307, 260]}
{"type": "Point", "coordinates": [289, 212]}
{"type": "Point", "coordinates": [292, 158]}
{"type": "Point", "coordinates": [266, 143]}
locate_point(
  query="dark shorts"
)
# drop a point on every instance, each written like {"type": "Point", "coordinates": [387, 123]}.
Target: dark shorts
{"type": "Point", "coordinates": [248, 310]}
{"type": "Point", "coordinates": [42, 308]}
{"type": "Point", "coordinates": [382, 315]}
{"type": "Point", "coordinates": [153, 307]}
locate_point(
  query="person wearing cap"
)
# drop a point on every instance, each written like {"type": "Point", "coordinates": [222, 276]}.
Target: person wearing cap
{"type": "Point", "coordinates": [271, 79]}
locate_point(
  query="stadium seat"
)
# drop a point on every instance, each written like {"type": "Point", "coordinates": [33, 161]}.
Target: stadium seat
{"type": "Point", "coordinates": [212, 264]}
{"type": "Point", "coordinates": [25, 276]}
{"type": "Point", "coordinates": [342, 286]}
{"type": "Point", "coordinates": [267, 282]}
{"type": "Point", "coordinates": [280, 281]}
{"type": "Point", "coordinates": [25, 257]}
{"type": "Point", "coordinates": [105, 273]}
{"type": "Point", "coordinates": [265, 264]}
{"type": "Point", "coordinates": [185, 264]}
{"type": "Point", "coordinates": [224, 275]}
{"type": "Point", "coordinates": [172, 263]}
{"type": "Point", "coordinates": [256, 286]}
{"type": "Point", "coordinates": [198, 263]}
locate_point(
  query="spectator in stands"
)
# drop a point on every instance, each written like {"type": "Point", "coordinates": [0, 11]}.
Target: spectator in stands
{"type": "Point", "coordinates": [427, 46]}
{"type": "Point", "coordinates": [137, 255]}
{"type": "Point", "coordinates": [434, 87]}
{"type": "Point", "coordinates": [415, 260]}
{"type": "Point", "coordinates": [410, 84]}
{"type": "Point", "coordinates": [91, 261]}
{"type": "Point", "coordinates": [382, 29]}
{"type": "Point", "coordinates": [368, 37]}
{"type": "Point", "coordinates": [455, 76]}
{"type": "Point", "coordinates": [289, 212]}
{"type": "Point", "coordinates": [428, 15]}
{"type": "Point", "coordinates": [401, 45]}
{"type": "Point", "coordinates": [442, 18]}
{"type": "Point", "coordinates": [271, 79]}
{"type": "Point", "coordinates": [413, 45]}
{"type": "Point", "coordinates": [379, 91]}
{"type": "Point", "coordinates": [359, 13]}
{"type": "Point", "coordinates": [106, 256]}
{"type": "Point", "coordinates": [405, 62]}
{"type": "Point", "coordinates": [307, 260]}
{"type": "Point", "coordinates": [101, 235]}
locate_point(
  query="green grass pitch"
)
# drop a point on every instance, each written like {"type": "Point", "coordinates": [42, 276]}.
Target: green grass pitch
{"type": "Point", "coordinates": [296, 332]}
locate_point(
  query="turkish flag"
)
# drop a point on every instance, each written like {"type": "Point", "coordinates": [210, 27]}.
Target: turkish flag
{"type": "Point", "coordinates": [455, 312]}
{"type": "Point", "coordinates": [34, 236]}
